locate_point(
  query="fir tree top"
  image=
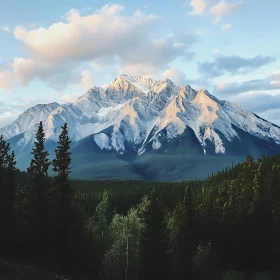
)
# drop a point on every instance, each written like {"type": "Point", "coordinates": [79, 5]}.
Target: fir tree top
{"type": "Point", "coordinates": [40, 163]}
{"type": "Point", "coordinates": [61, 164]}
{"type": "Point", "coordinates": [4, 152]}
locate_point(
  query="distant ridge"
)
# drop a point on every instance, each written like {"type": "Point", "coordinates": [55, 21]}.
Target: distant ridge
{"type": "Point", "coordinates": [139, 118]}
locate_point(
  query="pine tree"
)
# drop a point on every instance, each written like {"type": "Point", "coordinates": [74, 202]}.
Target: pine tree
{"type": "Point", "coordinates": [61, 164]}
{"type": "Point", "coordinates": [182, 236]}
{"type": "Point", "coordinates": [4, 153]}
{"type": "Point", "coordinates": [40, 163]}
{"type": "Point", "coordinates": [154, 249]}
{"type": "Point", "coordinates": [4, 163]}
{"type": "Point", "coordinates": [275, 201]}
{"type": "Point", "coordinates": [61, 167]}
{"type": "Point", "coordinates": [36, 192]}
{"type": "Point", "coordinates": [64, 214]}
{"type": "Point", "coordinates": [12, 162]}
{"type": "Point", "coordinates": [275, 192]}
{"type": "Point", "coordinates": [229, 214]}
{"type": "Point", "coordinates": [247, 184]}
{"type": "Point", "coordinates": [7, 196]}
{"type": "Point", "coordinates": [256, 204]}
{"type": "Point", "coordinates": [10, 184]}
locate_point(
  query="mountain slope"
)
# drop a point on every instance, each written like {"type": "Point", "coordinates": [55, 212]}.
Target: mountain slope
{"type": "Point", "coordinates": [138, 123]}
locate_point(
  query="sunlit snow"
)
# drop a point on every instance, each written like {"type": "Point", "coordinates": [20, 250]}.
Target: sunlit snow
{"type": "Point", "coordinates": [137, 110]}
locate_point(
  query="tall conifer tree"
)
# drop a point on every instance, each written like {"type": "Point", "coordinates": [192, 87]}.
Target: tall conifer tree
{"type": "Point", "coordinates": [36, 191]}
{"type": "Point", "coordinates": [7, 195]}
{"type": "Point", "coordinates": [4, 153]}
{"type": "Point", "coordinates": [40, 163]}
{"type": "Point", "coordinates": [64, 216]}
{"type": "Point", "coordinates": [154, 249]}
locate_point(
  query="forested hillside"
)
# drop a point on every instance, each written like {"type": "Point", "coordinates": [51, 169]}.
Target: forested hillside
{"type": "Point", "coordinates": [225, 227]}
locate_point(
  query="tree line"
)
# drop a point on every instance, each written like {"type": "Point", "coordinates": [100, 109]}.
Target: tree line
{"type": "Point", "coordinates": [138, 229]}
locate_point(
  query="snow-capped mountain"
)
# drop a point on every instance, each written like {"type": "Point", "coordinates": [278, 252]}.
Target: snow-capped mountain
{"type": "Point", "coordinates": [137, 116]}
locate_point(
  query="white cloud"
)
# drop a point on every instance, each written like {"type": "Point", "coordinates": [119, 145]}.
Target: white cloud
{"type": "Point", "coordinates": [198, 7]}
{"type": "Point", "coordinates": [5, 28]}
{"type": "Point", "coordinates": [86, 81]}
{"type": "Point", "coordinates": [55, 75]}
{"type": "Point", "coordinates": [266, 84]}
{"type": "Point", "coordinates": [265, 102]}
{"type": "Point", "coordinates": [226, 26]}
{"type": "Point", "coordinates": [175, 75]}
{"type": "Point", "coordinates": [218, 11]}
{"type": "Point", "coordinates": [102, 33]}
{"type": "Point", "coordinates": [25, 69]}
{"type": "Point", "coordinates": [148, 59]}
{"type": "Point", "coordinates": [104, 37]}
{"type": "Point", "coordinates": [232, 64]}
{"type": "Point", "coordinates": [223, 9]}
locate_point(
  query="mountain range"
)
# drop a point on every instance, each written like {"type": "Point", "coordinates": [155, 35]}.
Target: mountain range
{"type": "Point", "coordinates": [141, 128]}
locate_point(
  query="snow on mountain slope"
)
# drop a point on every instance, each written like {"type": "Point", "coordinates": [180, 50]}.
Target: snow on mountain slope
{"type": "Point", "coordinates": [135, 112]}
{"type": "Point", "coordinates": [250, 122]}
{"type": "Point", "coordinates": [145, 85]}
{"type": "Point", "coordinates": [93, 101]}
{"type": "Point", "coordinates": [30, 117]}
{"type": "Point", "coordinates": [121, 90]}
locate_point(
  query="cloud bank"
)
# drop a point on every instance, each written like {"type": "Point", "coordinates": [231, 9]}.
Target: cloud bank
{"type": "Point", "coordinates": [223, 9]}
{"type": "Point", "coordinates": [104, 37]}
{"type": "Point", "coordinates": [198, 7]}
{"type": "Point", "coordinates": [218, 11]}
{"type": "Point", "coordinates": [272, 82]}
{"type": "Point", "coordinates": [232, 65]}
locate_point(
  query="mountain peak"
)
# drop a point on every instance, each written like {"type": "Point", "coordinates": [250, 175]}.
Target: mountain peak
{"type": "Point", "coordinates": [168, 81]}
{"type": "Point", "coordinates": [144, 114]}
{"type": "Point", "coordinates": [143, 84]}
{"type": "Point", "coordinates": [91, 93]}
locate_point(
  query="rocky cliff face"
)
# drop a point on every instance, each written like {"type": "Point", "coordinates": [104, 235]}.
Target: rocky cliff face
{"type": "Point", "coordinates": [137, 115]}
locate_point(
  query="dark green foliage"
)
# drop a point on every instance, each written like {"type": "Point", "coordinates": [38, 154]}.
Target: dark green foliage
{"type": "Point", "coordinates": [182, 226]}
{"type": "Point", "coordinates": [61, 164]}
{"type": "Point", "coordinates": [139, 229]}
{"type": "Point", "coordinates": [65, 217]}
{"type": "Point", "coordinates": [7, 197]}
{"type": "Point", "coordinates": [98, 227]}
{"type": "Point", "coordinates": [4, 153]}
{"type": "Point", "coordinates": [39, 163]}
{"type": "Point", "coordinates": [122, 260]}
{"type": "Point", "coordinates": [153, 253]}
{"type": "Point", "coordinates": [204, 263]}
{"type": "Point", "coordinates": [34, 208]}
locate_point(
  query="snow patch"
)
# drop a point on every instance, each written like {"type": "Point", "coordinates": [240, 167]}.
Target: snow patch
{"type": "Point", "coordinates": [144, 88]}
{"type": "Point", "coordinates": [105, 110]}
{"type": "Point", "coordinates": [214, 138]}
{"type": "Point", "coordinates": [156, 144]}
{"type": "Point", "coordinates": [102, 141]}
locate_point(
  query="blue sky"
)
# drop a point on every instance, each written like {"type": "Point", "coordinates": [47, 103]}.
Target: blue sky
{"type": "Point", "coordinates": [56, 50]}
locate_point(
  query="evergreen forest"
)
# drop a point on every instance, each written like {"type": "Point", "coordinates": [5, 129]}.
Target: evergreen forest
{"type": "Point", "coordinates": [226, 227]}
